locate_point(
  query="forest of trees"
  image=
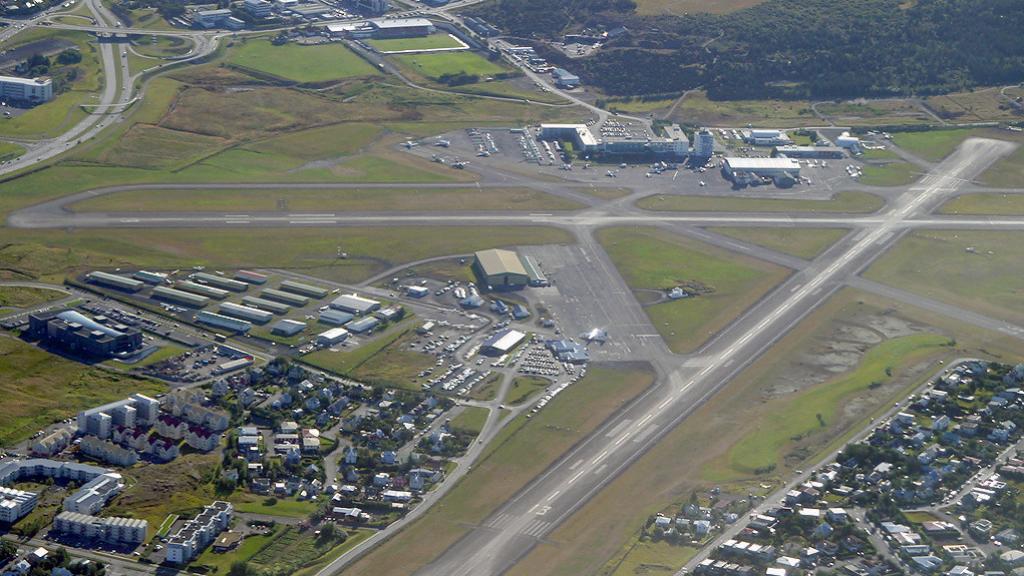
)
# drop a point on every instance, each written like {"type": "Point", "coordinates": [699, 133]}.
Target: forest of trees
{"type": "Point", "coordinates": [789, 48]}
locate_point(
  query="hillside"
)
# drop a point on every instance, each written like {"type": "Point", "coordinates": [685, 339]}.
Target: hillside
{"type": "Point", "coordinates": [787, 48]}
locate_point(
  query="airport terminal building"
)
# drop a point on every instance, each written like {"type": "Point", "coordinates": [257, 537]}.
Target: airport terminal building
{"type": "Point", "coordinates": [673, 146]}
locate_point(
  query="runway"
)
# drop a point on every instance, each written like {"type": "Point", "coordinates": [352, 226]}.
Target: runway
{"type": "Point", "coordinates": [525, 519]}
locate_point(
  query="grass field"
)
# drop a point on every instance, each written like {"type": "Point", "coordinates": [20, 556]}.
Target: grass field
{"type": "Point", "coordinates": [640, 106]}
{"type": "Point", "coordinates": [980, 105]}
{"type": "Point", "coordinates": [697, 109]}
{"type": "Point", "coordinates": [875, 112]}
{"type": "Point", "coordinates": [801, 242]}
{"type": "Point", "coordinates": [302, 64]}
{"type": "Point", "coordinates": [218, 563]}
{"type": "Point", "coordinates": [811, 411]}
{"type": "Point", "coordinates": [471, 420]}
{"type": "Point", "coordinates": [521, 451]}
{"type": "Point", "coordinates": [980, 271]}
{"type": "Point", "coordinates": [849, 202]}
{"type": "Point", "coordinates": [524, 388]}
{"type": "Point", "coordinates": [432, 42]}
{"type": "Point", "coordinates": [51, 255]}
{"type": "Point", "coordinates": [649, 557]}
{"type": "Point", "coordinates": [162, 46]}
{"type": "Point", "coordinates": [1008, 172]}
{"type": "Point", "coordinates": [9, 151]}
{"type": "Point", "coordinates": [182, 486]}
{"type": "Point", "coordinates": [591, 540]}
{"type": "Point", "coordinates": [985, 204]}
{"type": "Point", "coordinates": [933, 145]}
{"type": "Point", "coordinates": [434, 66]}
{"type": "Point", "coordinates": [40, 388]}
{"type": "Point", "coordinates": [653, 261]}
{"type": "Point", "coordinates": [59, 114]}
{"type": "Point", "coordinates": [256, 504]}
{"type": "Point", "coordinates": [341, 199]}
{"type": "Point", "coordinates": [24, 297]}
{"type": "Point", "coordinates": [384, 361]}
{"type": "Point", "coordinates": [890, 174]}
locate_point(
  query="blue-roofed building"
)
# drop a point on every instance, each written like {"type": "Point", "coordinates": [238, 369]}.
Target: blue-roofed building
{"type": "Point", "coordinates": [363, 325]}
{"type": "Point", "coordinates": [568, 351]}
{"type": "Point", "coordinates": [565, 79]}
{"type": "Point", "coordinates": [520, 312]}
{"type": "Point", "coordinates": [335, 317]}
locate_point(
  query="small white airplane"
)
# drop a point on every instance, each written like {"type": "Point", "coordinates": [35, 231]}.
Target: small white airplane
{"type": "Point", "coordinates": [410, 144]}
{"type": "Point", "coordinates": [595, 335]}
{"type": "Point", "coordinates": [443, 143]}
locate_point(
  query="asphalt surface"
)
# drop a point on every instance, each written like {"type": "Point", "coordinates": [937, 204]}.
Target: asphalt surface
{"type": "Point", "coordinates": [513, 530]}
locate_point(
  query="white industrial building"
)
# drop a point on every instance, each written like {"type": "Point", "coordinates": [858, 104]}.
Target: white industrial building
{"type": "Point", "coordinates": [332, 337]}
{"type": "Point", "coordinates": [851, 143]}
{"type": "Point", "coordinates": [31, 90]}
{"type": "Point", "coordinates": [674, 145]}
{"type": "Point", "coordinates": [114, 281]}
{"type": "Point", "coordinates": [355, 304]}
{"type": "Point", "coordinates": [246, 313]}
{"type": "Point", "coordinates": [740, 169]}
{"type": "Point", "coordinates": [766, 137]}
{"type": "Point", "coordinates": [112, 530]}
{"type": "Point", "coordinates": [502, 342]}
{"type": "Point", "coordinates": [222, 321]}
{"type": "Point", "coordinates": [199, 532]}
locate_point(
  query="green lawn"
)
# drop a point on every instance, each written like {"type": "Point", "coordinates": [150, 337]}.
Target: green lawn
{"type": "Point", "coordinates": [647, 557]}
{"type": "Point", "coordinates": [846, 202]}
{"type": "Point", "coordinates": [814, 409]}
{"type": "Point", "coordinates": [933, 145]}
{"type": "Point", "coordinates": [432, 42]}
{"type": "Point", "coordinates": [10, 151]}
{"type": "Point", "coordinates": [153, 491]}
{"type": "Point", "coordinates": [524, 387]}
{"type": "Point", "coordinates": [162, 46]}
{"type": "Point", "coordinates": [221, 563]}
{"type": "Point", "coordinates": [303, 64]}
{"type": "Point", "coordinates": [523, 449]}
{"type": "Point", "coordinates": [978, 270]}
{"type": "Point", "coordinates": [800, 242]}
{"type": "Point", "coordinates": [471, 420]}
{"type": "Point", "coordinates": [1008, 172]}
{"type": "Point", "coordinates": [341, 199]}
{"type": "Point", "coordinates": [890, 174]}
{"type": "Point", "coordinates": [53, 254]}
{"type": "Point", "coordinates": [40, 388]}
{"type": "Point", "coordinates": [166, 351]}
{"type": "Point", "coordinates": [22, 297]}
{"type": "Point", "coordinates": [653, 261]}
{"type": "Point", "coordinates": [436, 65]}
{"type": "Point", "coordinates": [990, 204]}
{"type": "Point", "coordinates": [286, 507]}
{"type": "Point", "coordinates": [385, 360]}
